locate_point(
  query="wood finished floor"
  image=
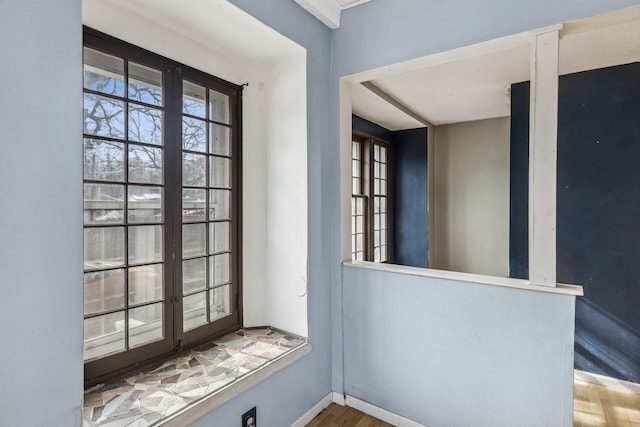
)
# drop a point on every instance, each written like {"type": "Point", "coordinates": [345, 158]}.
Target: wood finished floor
{"type": "Point", "coordinates": [343, 416]}
{"type": "Point", "coordinates": [594, 406]}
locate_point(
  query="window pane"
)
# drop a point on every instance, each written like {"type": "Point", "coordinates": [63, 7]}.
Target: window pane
{"type": "Point", "coordinates": [383, 187]}
{"type": "Point", "coordinates": [103, 247]}
{"type": "Point", "coordinates": [376, 186]}
{"type": "Point", "coordinates": [145, 124]}
{"type": "Point", "coordinates": [360, 204]}
{"type": "Point", "coordinates": [145, 84]}
{"type": "Point", "coordinates": [103, 204]}
{"type": "Point", "coordinates": [144, 204]}
{"type": "Point", "coordinates": [103, 291]}
{"type": "Point", "coordinates": [219, 302]}
{"type": "Point", "coordinates": [103, 73]}
{"type": "Point", "coordinates": [194, 311]}
{"type": "Point", "coordinates": [193, 240]}
{"type": "Point", "coordinates": [376, 153]}
{"type": "Point", "coordinates": [194, 170]}
{"type": "Point", "coordinates": [194, 275]}
{"type": "Point", "coordinates": [145, 324]}
{"type": "Point", "coordinates": [220, 140]}
{"type": "Point", "coordinates": [103, 116]}
{"type": "Point", "coordinates": [355, 186]}
{"type": "Point", "coordinates": [145, 164]}
{"type": "Point", "coordinates": [220, 268]}
{"type": "Point", "coordinates": [219, 204]}
{"type": "Point", "coordinates": [145, 283]}
{"type": "Point", "coordinates": [103, 160]}
{"type": "Point", "coordinates": [359, 242]}
{"type": "Point", "coordinates": [220, 172]}
{"type": "Point", "coordinates": [103, 335]}
{"type": "Point", "coordinates": [193, 99]}
{"type": "Point", "coordinates": [194, 134]}
{"type": "Point", "coordinates": [145, 244]}
{"type": "Point", "coordinates": [193, 205]}
{"type": "Point", "coordinates": [383, 155]}
{"type": "Point", "coordinates": [218, 107]}
{"type": "Point", "coordinates": [219, 235]}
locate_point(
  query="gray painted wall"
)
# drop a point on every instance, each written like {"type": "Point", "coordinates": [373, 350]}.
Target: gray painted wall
{"type": "Point", "coordinates": [448, 353]}
{"type": "Point", "coordinates": [41, 213]}
{"type": "Point", "coordinates": [471, 205]}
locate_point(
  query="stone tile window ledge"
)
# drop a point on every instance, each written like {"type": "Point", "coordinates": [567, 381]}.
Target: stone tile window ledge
{"type": "Point", "coordinates": [190, 385]}
{"type": "Point", "coordinates": [561, 289]}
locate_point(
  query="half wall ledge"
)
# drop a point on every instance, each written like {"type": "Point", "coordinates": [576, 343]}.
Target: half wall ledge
{"type": "Point", "coordinates": [562, 289]}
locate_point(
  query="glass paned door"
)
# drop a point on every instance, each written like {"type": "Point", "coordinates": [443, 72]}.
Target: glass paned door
{"type": "Point", "coordinates": [206, 206]}
{"type": "Point", "coordinates": [124, 255]}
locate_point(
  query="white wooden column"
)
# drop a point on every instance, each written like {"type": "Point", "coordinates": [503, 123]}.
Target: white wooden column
{"type": "Point", "coordinates": [543, 138]}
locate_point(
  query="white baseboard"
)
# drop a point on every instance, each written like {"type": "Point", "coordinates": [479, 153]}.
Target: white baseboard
{"type": "Point", "coordinates": [612, 383]}
{"type": "Point", "coordinates": [338, 398]}
{"type": "Point", "coordinates": [381, 414]}
{"type": "Point", "coordinates": [314, 411]}
{"type": "Point", "coordinates": [369, 409]}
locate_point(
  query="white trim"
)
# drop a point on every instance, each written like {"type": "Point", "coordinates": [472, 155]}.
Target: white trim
{"type": "Point", "coordinates": [314, 411]}
{"type": "Point", "coordinates": [207, 404]}
{"type": "Point", "coordinates": [327, 11]}
{"type": "Point", "coordinates": [543, 137]}
{"type": "Point", "coordinates": [612, 383]}
{"type": "Point", "coordinates": [562, 289]}
{"type": "Point", "coordinates": [337, 398]}
{"type": "Point", "coordinates": [355, 403]}
{"type": "Point", "coordinates": [381, 414]}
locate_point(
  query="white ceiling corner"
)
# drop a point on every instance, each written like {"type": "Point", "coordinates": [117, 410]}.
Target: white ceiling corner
{"type": "Point", "coordinates": [328, 11]}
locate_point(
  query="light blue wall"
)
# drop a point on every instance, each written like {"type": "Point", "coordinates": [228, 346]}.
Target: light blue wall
{"type": "Point", "coordinates": [41, 213]}
{"type": "Point", "coordinates": [384, 32]}
{"type": "Point", "coordinates": [447, 353]}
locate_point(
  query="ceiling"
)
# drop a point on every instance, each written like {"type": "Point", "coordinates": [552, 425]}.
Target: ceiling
{"type": "Point", "coordinates": [476, 86]}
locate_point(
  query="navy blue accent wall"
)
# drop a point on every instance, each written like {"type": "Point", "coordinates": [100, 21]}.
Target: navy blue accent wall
{"type": "Point", "coordinates": [410, 185]}
{"type": "Point", "coordinates": [370, 128]}
{"type": "Point", "coordinates": [411, 226]}
{"type": "Point", "coordinates": [519, 183]}
{"type": "Point", "coordinates": [598, 223]}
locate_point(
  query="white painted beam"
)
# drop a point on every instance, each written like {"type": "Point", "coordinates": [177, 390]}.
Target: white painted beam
{"type": "Point", "coordinates": [543, 139]}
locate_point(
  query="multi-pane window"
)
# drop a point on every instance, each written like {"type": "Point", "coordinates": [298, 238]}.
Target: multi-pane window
{"type": "Point", "coordinates": [206, 205]}
{"type": "Point", "coordinates": [358, 204]}
{"type": "Point", "coordinates": [370, 213]}
{"type": "Point", "coordinates": [380, 188]}
{"type": "Point", "coordinates": [160, 230]}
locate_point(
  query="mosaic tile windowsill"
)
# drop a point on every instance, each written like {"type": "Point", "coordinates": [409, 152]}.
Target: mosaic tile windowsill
{"type": "Point", "coordinates": [160, 393]}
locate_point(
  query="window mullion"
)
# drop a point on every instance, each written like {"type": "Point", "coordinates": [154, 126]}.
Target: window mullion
{"type": "Point", "coordinates": [173, 147]}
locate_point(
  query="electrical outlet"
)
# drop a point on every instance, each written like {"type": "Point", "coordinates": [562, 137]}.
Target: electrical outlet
{"type": "Point", "coordinates": [249, 418]}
